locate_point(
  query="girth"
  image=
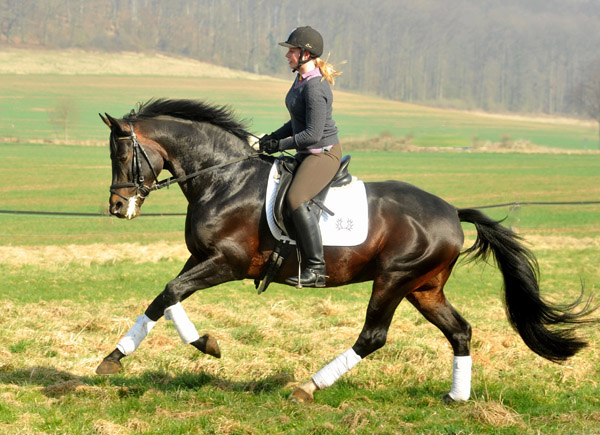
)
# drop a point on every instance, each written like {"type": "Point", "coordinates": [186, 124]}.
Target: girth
{"type": "Point", "coordinates": [287, 167]}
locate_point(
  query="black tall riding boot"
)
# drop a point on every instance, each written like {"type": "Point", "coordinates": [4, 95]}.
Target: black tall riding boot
{"type": "Point", "coordinates": [308, 238]}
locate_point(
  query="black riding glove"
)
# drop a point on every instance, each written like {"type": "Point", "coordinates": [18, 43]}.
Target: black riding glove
{"type": "Point", "coordinates": [268, 144]}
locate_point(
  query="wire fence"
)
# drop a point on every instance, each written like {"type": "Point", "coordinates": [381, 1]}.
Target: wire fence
{"type": "Point", "coordinates": [519, 204]}
{"type": "Point", "coordinates": [80, 214]}
{"type": "Point", "coordinates": [511, 205]}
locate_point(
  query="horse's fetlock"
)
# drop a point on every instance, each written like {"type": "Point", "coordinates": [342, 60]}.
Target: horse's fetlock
{"type": "Point", "coordinates": [371, 343]}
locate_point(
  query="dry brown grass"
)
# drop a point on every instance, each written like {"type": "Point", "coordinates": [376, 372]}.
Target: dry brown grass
{"type": "Point", "coordinates": [52, 257]}
{"type": "Point", "coordinates": [388, 143]}
{"type": "Point", "coordinates": [104, 427]}
{"type": "Point", "coordinates": [541, 118]}
{"type": "Point", "coordinates": [495, 413]}
{"type": "Point", "coordinates": [80, 62]}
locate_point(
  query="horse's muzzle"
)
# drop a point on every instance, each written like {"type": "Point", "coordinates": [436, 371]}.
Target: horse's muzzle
{"type": "Point", "coordinates": [125, 209]}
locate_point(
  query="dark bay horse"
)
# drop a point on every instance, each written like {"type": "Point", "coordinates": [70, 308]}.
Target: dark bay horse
{"type": "Point", "coordinates": [414, 241]}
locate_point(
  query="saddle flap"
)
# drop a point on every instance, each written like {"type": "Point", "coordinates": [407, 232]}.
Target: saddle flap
{"type": "Point", "coordinates": [287, 167]}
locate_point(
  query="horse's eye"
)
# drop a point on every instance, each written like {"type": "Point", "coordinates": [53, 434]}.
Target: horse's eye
{"type": "Point", "coordinates": [123, 158]}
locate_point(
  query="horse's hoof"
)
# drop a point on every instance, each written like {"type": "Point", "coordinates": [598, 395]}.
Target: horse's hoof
{"type": "Point", "coordinates": [301, 396]}
{"type": "Point", "coordinates": [212, 346]}
{"type": "Point", "coordinates": [208, 345]}
{"type": "Point", "coordinates": [109, 367]}
{"type": "Point", "coordinates": [449, 400]}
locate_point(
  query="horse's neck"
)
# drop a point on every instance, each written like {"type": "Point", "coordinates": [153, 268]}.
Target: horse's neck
{"type": "Point", "coordinates": [208, 146]}
{"type": "Point", "coordinates": [215, 156]}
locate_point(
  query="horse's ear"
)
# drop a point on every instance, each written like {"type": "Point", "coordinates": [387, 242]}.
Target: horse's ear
{"type": "Point", "coordinates": [113, 124]}
{"type": "Point", "coordinates": [105, 120]}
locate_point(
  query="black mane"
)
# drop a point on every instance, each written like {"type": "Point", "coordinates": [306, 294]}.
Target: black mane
{"type": "Point", "coordinates": [191, 110]}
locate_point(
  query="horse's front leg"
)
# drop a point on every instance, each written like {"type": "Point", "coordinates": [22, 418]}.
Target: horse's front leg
{"type": "Point", "coordinates": [194, 276]}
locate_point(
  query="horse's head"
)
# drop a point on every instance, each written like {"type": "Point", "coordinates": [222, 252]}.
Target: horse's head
{"type": "Point", "coordinates": [136, 163]}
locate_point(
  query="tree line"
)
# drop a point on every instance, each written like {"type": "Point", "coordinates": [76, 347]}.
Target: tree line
{"type": "Point", "coordinates": [514, 55]}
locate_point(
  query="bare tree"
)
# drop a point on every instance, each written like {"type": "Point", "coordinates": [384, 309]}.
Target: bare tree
{"type": "Point", "coordinates": [63, 115]}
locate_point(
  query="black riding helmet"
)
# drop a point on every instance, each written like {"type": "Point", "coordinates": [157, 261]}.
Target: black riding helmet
{"type": "Point", "coordinates": [306, 39]}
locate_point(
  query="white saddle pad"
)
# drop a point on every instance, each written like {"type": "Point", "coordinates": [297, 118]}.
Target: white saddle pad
{"type": "Point", "coordinates": [350, 224]}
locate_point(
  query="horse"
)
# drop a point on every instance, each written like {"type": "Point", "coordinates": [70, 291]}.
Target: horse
{"type": "Point", "coordinates": [414, 240]}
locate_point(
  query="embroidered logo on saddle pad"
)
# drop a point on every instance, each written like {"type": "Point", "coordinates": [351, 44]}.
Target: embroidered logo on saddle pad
{"type": "Point", "coordinates": [349, 225]}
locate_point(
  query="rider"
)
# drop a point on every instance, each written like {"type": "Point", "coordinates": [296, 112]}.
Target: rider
{"type": "Point", "coordinates": [312, 132]}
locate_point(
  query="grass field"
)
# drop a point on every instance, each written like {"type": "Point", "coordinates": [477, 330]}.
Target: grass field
{"type": "Point", "coordinates": [59, 178]}
{"type": "Point", "coordinates": [34, 87]}
{"type": "Point", "coordinates": [73, 286]}
{"type": "Point", "coordinates": [31, 99]}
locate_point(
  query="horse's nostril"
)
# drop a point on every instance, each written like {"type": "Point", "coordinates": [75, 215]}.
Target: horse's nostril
{"type": "Point", "coordinates": [116, 207]}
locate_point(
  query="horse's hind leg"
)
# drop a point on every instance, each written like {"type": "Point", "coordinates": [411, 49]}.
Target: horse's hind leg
{"type": "Point", "coordinates": [431, 302]}
{"type": "Point", "coordinates": [387, 294]}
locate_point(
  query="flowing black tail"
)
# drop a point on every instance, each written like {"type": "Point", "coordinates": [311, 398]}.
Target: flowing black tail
{"type": "Point", "coordinates": [529, 314]}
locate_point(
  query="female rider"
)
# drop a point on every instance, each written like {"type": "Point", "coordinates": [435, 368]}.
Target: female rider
{"type": "Point", "coordinates": [312, 132]}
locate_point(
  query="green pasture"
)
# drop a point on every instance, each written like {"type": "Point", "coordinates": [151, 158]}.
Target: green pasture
{"type": "Point", "coordinates": [29, 103]}
{"type": "Point", "coordinates": [75, 179]}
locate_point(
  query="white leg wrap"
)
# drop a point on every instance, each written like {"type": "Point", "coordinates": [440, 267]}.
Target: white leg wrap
{"type": "Point", "coordinates": [184, 326]}
{"type": "Point", "coordinates": [335, 369]}
{"type": "Point", "coordinates": [461, 379]}
{"type": "Point", "coordinates": [136, 334]}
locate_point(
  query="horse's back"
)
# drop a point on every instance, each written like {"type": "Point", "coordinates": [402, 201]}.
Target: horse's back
{"type": "Point", "coordinates": [410, 215]}
{"type": "Point", "coordinates": [409, 198]}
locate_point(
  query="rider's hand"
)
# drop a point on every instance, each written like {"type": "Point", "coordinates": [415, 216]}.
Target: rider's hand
{"type": "Point", "coordinates": [268, 144]}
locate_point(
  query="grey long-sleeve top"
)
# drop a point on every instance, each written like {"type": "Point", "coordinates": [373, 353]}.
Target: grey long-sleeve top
{"type": "Point", "coordinates": [309, 102]}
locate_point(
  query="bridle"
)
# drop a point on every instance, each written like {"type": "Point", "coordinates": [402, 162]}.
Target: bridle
{"type": "Point", "coordinates": [143, 190]}
{"type": "Point", "coordinates": [138, 177]}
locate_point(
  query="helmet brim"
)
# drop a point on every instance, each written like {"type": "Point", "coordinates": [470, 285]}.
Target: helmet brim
{"type": "Point", "coordinates": [288, 45]}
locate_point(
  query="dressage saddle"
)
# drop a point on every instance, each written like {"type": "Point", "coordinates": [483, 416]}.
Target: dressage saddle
{"type": "Point", "coordinates": [282, 217]}
{"type": "Point", "coordinates": [287, 167]}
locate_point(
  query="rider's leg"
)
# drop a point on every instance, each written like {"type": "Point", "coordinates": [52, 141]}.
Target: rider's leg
{"type": "Point", "coordinates": [308, 237]}
{"type": "Point", "coordinates": [313, 174]}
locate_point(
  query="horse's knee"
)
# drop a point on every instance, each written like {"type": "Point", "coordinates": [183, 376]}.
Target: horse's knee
{"type": "Point", "coordinates": [170, 295]}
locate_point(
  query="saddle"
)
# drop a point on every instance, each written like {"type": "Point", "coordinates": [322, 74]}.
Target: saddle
{"type": "Point", "coordinates": [287, 167]}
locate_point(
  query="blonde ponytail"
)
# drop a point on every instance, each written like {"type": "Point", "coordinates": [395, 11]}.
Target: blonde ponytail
{"type": "Point", "coordinates": [327, 70]}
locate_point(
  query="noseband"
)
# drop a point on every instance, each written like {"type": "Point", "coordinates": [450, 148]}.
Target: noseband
{"type": "Point", "coordinates": [143, 190]}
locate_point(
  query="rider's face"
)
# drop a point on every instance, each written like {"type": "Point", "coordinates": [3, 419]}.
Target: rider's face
{"type": "Point", "coordinates": [293, 57]}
